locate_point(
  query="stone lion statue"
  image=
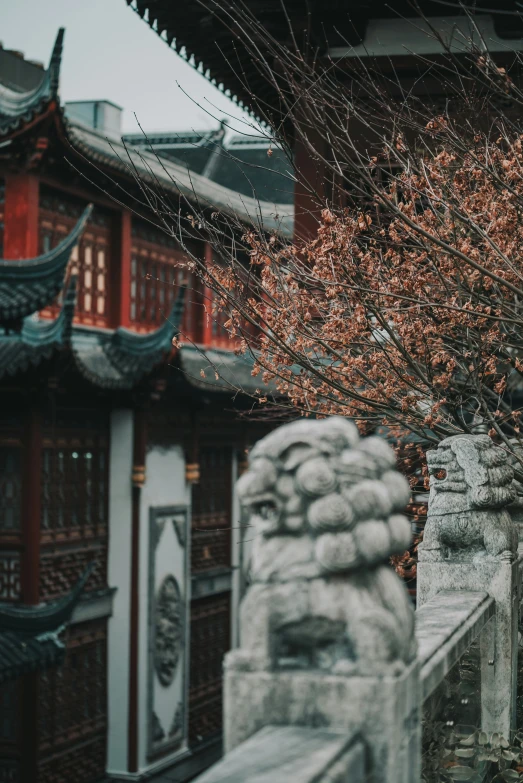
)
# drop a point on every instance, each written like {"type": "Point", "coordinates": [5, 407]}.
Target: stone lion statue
{"type": "Point", "coordinates": [471, 484]}
{"type": "Point", "coordinates": [323, 509]}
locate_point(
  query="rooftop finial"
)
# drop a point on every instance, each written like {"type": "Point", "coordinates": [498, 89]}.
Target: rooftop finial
{"type": "Point", "coordinates": [55, 62]}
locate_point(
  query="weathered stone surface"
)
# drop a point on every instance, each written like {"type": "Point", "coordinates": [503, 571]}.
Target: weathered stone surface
{"type": "Point", "coordinates": [326, 627]}
{"type": "Point", "coordinates": [498, 640]}
{"type": "Point", "coordinates": [385, 710]}
{"type": "Point", "coordinates": [470, 486]}
{"type": "Point", "coordinates": [324, 523]}
{"type": "Point", "coordinates": [293, 754]}
{"type": "Point", "coordinates": [470, 543]}
{"type": "Point", "coordinates": [445, 628]}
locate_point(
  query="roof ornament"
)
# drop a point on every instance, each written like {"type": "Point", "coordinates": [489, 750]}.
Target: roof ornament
{"type": "Point", "coordinates": [55, 62]}
{"type": "Point", "coordinates": [37, 620]}
{"type": "Point", "coordinates": [18, 106]}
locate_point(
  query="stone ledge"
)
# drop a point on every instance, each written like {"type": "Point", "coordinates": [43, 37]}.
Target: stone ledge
{"type": "Point", "coordinates": [445, 627]}
{"type": "Point", "coordinates": [279, 754]}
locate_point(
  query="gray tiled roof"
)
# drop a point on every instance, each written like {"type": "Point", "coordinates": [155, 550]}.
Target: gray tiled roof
{"type": "Point", "coordinates": [247, 164]}
{"type": "Point", "coordinates": [162, 174]}
{"type": "Point", "coordinates": [138, 163]}
{"type": "Point", "coordinates": [223, 371]}
{"type": "Point", "coordinates": [16, 107]}
{"type": "Point", "coordinates": [20, 654]}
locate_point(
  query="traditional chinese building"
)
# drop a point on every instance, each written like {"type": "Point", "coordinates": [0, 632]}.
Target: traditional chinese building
{"type": "Point", "coordinates": [247, 163]}
{"type": "Point", "coordinates": [115, 447]}
{"type": "Point", "coordinates": [389, 37]}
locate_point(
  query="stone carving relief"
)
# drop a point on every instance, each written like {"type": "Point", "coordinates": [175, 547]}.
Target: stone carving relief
{"type": "Point", "coordinates": [324, 509]}
{"type": "Point", "coordinates": [168, 630]}
{"type": "Point", "coordinates": [471, 484]}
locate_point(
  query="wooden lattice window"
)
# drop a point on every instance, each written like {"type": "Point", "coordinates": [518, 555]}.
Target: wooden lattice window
{"type": "Point", "coordinates": [74, 508]}
{"type": "Point", "coordinates": [220, 337]}
{"type": "Point", "coordinates": [74, 486]}
{"type": "Point", "coordinates": [156, 274]}
{"type": "Point", "coordinates": [10, 489]}
{"type": "Point", "coordinates": [210, 640]}
{"type": "Point", "coordinates": [9, 576]}
{"type": "Point", "coordinates": [90, 259]}
{"type": "Point", "coordinates": [211, 511]}
{"type": "Point", "coordinates": [10, 513]}
{"type": "Point", "coordinates": [359, 197]}
{"type": "Point", "coordinates": [72, 712]}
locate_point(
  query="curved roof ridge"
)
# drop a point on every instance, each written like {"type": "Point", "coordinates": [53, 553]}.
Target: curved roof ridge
{"type": "Point", "coordinates": [120, 360]}
{"type": "Point", "coordinates": [30, 268]}
{"type": "Point", "coordinates": [136, 344]}
{"type": "Point", "coordinates": [38, 620]}
{"type": "Point", "coordinates": [59, 330]}
{"type": "Point", "coordinates": [13, 103]}
{"type": "Point", "coordinates": [31, 284]}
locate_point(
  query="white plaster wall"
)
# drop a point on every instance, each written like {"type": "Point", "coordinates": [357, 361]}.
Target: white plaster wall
{"type": "Point", "coordinates": [236, 558]}
{"type": "Point", "coordinates": [164, 486]}
{"type": "Point", "coordinates": [119, 575]}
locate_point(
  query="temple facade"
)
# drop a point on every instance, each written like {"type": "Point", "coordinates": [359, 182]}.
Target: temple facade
{"type": "Point", "coordinates": [387, 38]}
{"type": "Point", "coordinates": [118, 450]}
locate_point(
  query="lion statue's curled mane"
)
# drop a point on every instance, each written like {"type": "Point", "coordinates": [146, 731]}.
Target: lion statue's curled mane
{"type": "Point", "coordinates": [324, 509]}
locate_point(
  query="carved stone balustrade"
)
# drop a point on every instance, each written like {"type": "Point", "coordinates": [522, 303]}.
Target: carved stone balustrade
{"type": "Point", "coordinates": [326, 626]}
{"type": "Point", "coordinates": [471, 543]}
{"type": "Point", "coordinates": [332, 659]}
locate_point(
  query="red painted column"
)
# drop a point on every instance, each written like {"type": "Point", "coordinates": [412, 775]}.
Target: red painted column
{"type": "Point", "coordinates": [31, 507]}
{"type": "Point", "coordinates": [120, 274]}
{"type": "Point", "coordinates": [207, 303]}
{"type": "Point", "coordinates": [309, 189]}
{"type": "Point", "coordinates": [138, 480]}
{"type": "Point", "coordinates": [21, 216]}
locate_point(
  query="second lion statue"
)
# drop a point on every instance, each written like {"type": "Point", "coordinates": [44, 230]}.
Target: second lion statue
{"type": "Point", "coordinates": [471, 486]}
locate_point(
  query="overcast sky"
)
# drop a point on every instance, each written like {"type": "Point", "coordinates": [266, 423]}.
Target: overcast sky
{"type": "Point", "coordinates": [109, 52]}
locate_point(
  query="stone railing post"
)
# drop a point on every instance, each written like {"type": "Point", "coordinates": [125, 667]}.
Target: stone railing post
{"type": "Point", "coordinates": [326, 626]}
{"type": "Point", "coordinates": [470, 543]}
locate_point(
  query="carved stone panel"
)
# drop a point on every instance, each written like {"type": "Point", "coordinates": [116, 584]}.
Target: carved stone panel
{"type": "Point", "coordinates": [168, 630]}
{"type": "Point", "coordinates": [169, 587]}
